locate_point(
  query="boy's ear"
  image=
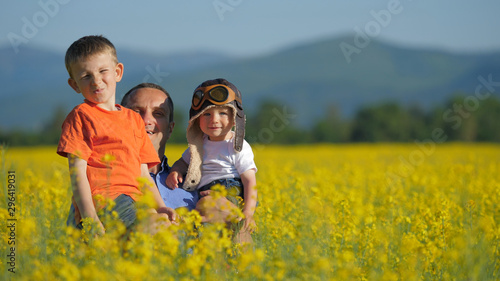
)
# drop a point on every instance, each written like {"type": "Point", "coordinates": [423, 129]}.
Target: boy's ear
{"type": "Point", "coordinates": [72, 84]}
{"type": "Point", "coordinates": [119, 72]}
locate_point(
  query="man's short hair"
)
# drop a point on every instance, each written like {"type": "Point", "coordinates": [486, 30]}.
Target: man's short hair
{"type": "Point", "coordinates": [88, 46]}
{"type": "Point", "coordinates": [170, 103]}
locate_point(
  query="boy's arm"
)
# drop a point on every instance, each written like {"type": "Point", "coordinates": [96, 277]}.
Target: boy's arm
{"type": "Point", "coordinates": [161, 207]}
{"type": "Point", "coordinates": [176, 174]}
{"type": "Point", "coordinates": [249, 182]}
{"type": "Point", "coordinates": [81, 189]}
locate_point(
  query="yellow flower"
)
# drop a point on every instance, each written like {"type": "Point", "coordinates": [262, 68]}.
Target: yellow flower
{"type": "Point", "coordinates": [108, 158]}
{"type": "Point", "coordinates": [326, 212]}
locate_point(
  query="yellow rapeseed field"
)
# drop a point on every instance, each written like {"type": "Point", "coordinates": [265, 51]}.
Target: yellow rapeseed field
{"type": "Point", "coordinates": [325, 212]}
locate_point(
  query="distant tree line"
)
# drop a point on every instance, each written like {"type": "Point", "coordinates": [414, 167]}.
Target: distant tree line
{"type": "Point", "coordinates": [461, 118]}
{"type": "Point", "coordinates": [48, 135]}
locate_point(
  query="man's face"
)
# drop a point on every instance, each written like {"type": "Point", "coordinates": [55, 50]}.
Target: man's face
{"type": "Point", "coordinates": [152, 105]}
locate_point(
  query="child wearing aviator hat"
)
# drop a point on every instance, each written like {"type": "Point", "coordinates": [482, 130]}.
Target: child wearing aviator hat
{"type": "Point", "coordinates": [217, 155]}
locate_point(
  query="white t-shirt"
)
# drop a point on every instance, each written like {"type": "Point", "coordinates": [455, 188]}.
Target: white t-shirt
{"type": "Point", "coordinates": [220, 160]}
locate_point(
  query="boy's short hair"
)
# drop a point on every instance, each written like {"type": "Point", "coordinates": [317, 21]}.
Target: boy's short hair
{"type": "Point", "coordinates": [170, 102]}
{"type": "Point", "coordinates": [87, 46]}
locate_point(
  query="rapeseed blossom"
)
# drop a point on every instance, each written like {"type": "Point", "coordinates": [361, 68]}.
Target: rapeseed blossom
{"type": "Point", "coordinates": [325, 212]}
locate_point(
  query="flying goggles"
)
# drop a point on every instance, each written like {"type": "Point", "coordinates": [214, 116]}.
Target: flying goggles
{"type": "Point", "coordinates": [217, 94]}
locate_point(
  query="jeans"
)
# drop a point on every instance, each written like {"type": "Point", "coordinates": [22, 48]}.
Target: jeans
{"type": "Point", "coordinates": [234, 187]}
{"type": "Point", "coordinates": [125, 207]}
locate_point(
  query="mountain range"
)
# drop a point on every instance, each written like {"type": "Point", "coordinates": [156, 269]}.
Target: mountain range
{"type": "Point", "coordinates": [308, 79]}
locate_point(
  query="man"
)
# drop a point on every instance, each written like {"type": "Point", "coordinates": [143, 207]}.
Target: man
{"type": "Point", "coordinates": [156, 108]}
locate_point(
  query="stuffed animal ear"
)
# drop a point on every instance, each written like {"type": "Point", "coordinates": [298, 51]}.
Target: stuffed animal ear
{"type": "Point", "coordinates": [239, 131]}
{"type": "Point", "coordinates": [195, 140]}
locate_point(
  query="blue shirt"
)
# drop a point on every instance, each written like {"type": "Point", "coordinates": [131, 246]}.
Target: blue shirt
{"type": "Point", "coordinates": [173, 198]}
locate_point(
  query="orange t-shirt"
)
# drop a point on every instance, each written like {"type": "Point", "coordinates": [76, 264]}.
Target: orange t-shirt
{"type": "Point", "coordinates": [91, 132]}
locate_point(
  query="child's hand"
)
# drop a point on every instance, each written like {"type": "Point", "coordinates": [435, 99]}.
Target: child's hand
{"type": "Point", "coordinates": [97, 226]}
{"type": "Point", "coordinates": [205, 193]}
{"type": "Point", "coordinates": [100, 228]}
{"type": "Point", "coordinates": [249, 224]}
{"type": "Point", "coordinates": [173, 180]}
{"type": "Point", "coordinates": [172, 214]}
{"type": "Point", "coordinates": [155, 222]}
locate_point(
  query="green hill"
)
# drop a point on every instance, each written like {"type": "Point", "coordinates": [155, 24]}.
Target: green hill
{"type": "Point", "coordinates": [308, 78]}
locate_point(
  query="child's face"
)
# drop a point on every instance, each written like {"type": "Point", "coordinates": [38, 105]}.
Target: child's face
{"type": "Point", "coordinates": [95, 77]}
{"type": "Point", "coordinates": [216, 123]}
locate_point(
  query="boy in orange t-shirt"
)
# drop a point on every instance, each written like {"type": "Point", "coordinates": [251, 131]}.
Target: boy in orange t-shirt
{"type": "Point", "coordinates": [106, 144]}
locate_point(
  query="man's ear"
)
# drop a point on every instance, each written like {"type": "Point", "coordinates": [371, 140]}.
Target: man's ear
{"type": "Point", "coordinates": [72, 84]}
{"type": "Point", "coordinates": [119, 72]}
{"type": "Point", "coordinates": [171, 127]}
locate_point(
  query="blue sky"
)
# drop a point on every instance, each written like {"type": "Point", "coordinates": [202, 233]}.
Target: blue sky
{"type": "Point", "coordinates": [248, 27]}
